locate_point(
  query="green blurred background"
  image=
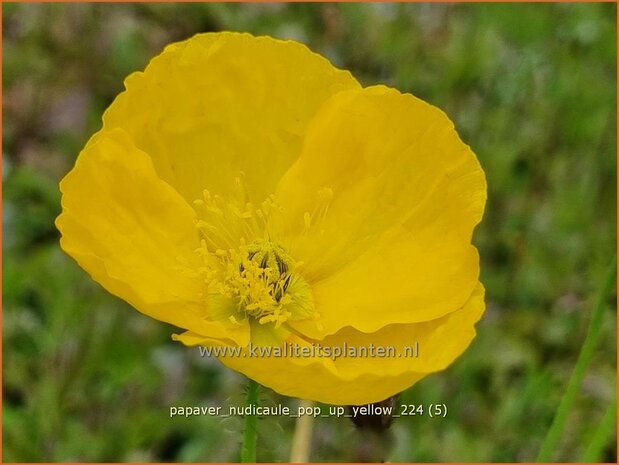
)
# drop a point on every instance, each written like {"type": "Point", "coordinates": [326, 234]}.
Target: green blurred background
{"type": "Point", "coordinates": [531, 87]}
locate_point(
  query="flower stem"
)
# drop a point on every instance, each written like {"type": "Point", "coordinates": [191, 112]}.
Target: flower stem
{"type": "Point", "coordinates": [302, 438]}
{"type": "Point", "coordinates": [250, 435]}
{"type": "Point", "coordinates": [584, 358]}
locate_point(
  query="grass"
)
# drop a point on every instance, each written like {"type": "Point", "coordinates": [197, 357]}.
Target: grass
{"type": "Point", "coordinates": [531, 87]}
{"type": "Point", "coordinates": [584, 358]}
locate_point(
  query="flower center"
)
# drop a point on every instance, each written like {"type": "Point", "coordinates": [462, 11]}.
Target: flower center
{"type": "Point", "coordinates": [257, 280]}
{"type": "Point", "coordinates": [260, 281]}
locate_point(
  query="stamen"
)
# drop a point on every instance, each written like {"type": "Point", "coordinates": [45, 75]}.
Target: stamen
{"type": "Point", "coordinates": [321, 208]}
{"type": "Point", "coordinates": [248, 274]}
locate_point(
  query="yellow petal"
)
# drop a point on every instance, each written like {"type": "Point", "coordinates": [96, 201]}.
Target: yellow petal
{"type": "Point", "coordinates": [361, 380]}
{"type": "Point", "coordinates": [133, 233]}
{"type": "Point", "coordinates": [438, 342]}
{"type": "Point", "coordinates": [391, 243]}
{"type": "Point", "coordinates": [266, 334]}
{"type": "Point", "coordinates": [221, 103]}
{"type": "Point", "coordinates": [191, 339]}
{"type": "Point", "coordinates": [315, 381]}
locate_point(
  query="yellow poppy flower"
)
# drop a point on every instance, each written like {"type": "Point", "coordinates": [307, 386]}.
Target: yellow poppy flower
{"type": "Point", "coordinates": [245, 190]}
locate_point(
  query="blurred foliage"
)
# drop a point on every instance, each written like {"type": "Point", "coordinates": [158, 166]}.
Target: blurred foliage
{"type": "Point", "coordinates": [532, 88]}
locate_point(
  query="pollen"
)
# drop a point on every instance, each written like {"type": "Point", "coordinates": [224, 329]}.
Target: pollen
{"type": "Point", "coordinates": [260, 281]}
{"type": "Point", "coordinates": [249, 275]}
